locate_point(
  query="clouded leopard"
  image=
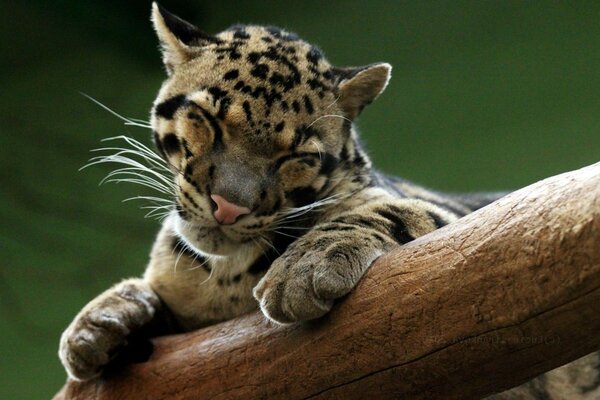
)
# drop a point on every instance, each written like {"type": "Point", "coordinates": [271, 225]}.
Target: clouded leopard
{"type": "Point", "coordinates": [272, 203]}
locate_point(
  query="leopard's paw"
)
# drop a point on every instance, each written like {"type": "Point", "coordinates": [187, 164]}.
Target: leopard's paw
{"type": "Point", "coordinates": [303, 285]}
{"type": "Point", "coordinates": [102, 327]}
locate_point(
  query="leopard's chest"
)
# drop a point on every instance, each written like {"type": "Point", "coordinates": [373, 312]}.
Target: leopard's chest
{"type": "Point", "coordinates": [202, 295]}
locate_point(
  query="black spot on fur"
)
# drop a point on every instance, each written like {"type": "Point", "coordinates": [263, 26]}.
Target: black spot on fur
{"type": "Point", "coordinates": [217, 131]}
{"type": "Point", "coordinates": [193, 115]}
{"type": "Point", "coordinates": [281, 35]}
{"type": "Point", "coordinates": [253, 57]}
{"type": "Point", "coordinates": [316, 84]}
{"type": "Point", "coordinates": [359, 160]}
{"type": "Point", "coordinates": [308, 105]}
{"type": "Point", "coordinates": [247, 110]}
{"type": "Point", "coordinates": [264, 261]}
{"type": "Point", "coordinates": [314, 55]}
{"type": "Point", "coordinates": [169, 107]}
{"type": "Point", "coordinates": [398, 228]}
{"type": "Point", "coordinates": [437, 220]}
{"type": "Point", "coordinates": [187, 172]}
{"type": "Point", "coordinates": [241, 34]}
{"type": "Point", "coordinates": [187, 151]}
{"type": "Point", "coordinates": [328, 163]}
{"type": "Point", "coordinates": [191, 200]}
{"type": "Point", "coordinates": [217, 93]}
{"type": "Point", "coordinates": [300, 155]}
{"type": "Point", "coordinates": [302, 196]}
{"type": "Point", "coordinates": [239, 85]}
{"type": "Point", "coordinates": [236, 278]}
{"type": "Point", "coordinates": [179, 247]}
{"type": "Point", "coordinates": [303, 133]}
{"type": "Point", "coordinates": [171, 144]}
{"type": "Point", "coordinates": [279, 126]}
{"type": "Point", "coordinates": [296, 106]}
{"type": "Point", "coordinates": [260, 71]}
{"type": "Point", "coordinates": [183, 214]}
{"type": "Point", "coordinates": [158, 144]}
{"type": "Point", "coordinates": [232, 74]}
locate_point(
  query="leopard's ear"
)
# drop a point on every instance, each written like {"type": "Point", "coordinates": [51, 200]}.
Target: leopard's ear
{"type": "Point", "coordinates": [359, 86]}
{"type": "Point", "coordinates": [180, 40]}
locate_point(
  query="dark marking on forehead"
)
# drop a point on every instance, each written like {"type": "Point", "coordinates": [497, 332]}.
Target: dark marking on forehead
{"type": "Point", "coordinates": [239, 85]}
{"type": "Point", "coordinates": [239, 32]}
{"type": "Point", "coordinates": [232, 51]}
{"type": "Point", "coordinates": [281, 35]}
{"type": "Point", "coordinates": [231, 75]}
{"type": "Point", "coordinates": [169, 107]}
{"type": "Point", "coordinates": [247, 110]}
{"type": "Point", "coordinates": [253, 57]}
{"type": "Point", "coordinates": [314, 55]}
{"type": "Point", "coordinates": [316, 84]}
{"type": "Point", "coordinates": [279, 127]}
{"type": "Point", "coordinates": [217, 93]}
{"type": "Point", "coordinates": [308, 105]}
{"type": "Point", "coordinates": [260, 71]}
{"type": "Point", "coordinates": [296, 106]}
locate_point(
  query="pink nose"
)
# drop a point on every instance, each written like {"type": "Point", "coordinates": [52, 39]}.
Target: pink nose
{"type": "Point", "coordinates": [227, 213]}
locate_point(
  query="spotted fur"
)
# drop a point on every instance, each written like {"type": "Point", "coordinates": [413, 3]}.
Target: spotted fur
{"type": "Point", "coordinates": [261, 118]}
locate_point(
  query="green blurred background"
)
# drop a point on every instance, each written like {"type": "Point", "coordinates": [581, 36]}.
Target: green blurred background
{"type": "Point", "coordinates": [485, 95]}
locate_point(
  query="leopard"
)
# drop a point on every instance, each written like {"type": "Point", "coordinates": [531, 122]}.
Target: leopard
{"type": "Point", "coordinates": [272, 202]}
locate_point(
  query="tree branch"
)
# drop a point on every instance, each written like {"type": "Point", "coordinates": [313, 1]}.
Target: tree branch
{"type": "Point", "coordinates": [477, 307]}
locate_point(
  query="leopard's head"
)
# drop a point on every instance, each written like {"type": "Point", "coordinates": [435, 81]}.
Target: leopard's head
{"type": "Point", "coordinates": [255, 124]}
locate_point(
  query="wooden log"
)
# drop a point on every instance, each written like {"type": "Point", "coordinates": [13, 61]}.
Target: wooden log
{"type": "Point", "coordinates": [477, 307]}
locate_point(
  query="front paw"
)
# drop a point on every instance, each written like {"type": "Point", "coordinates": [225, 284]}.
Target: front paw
{"type": "Point", "coordinates": [102, 327]}
{"type": "Point", "coordinates": [303, 283]}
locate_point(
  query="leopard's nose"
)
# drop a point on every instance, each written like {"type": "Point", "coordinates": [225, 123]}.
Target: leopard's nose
{"type": "Point", "coordinates": [227, 213]}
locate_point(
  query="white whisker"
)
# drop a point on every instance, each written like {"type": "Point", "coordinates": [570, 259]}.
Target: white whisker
{"type": "Point", "coordinates": [128, 121]}
{"type": "Point", "coordinates": [285, 234]}
{"type": "Point", "coordinates": [335, 101]}
{"type": "Point", "coordinates": [329, 116]}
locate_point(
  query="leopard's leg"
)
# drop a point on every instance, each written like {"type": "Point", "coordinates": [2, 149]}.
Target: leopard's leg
{"type": "Point", "coordinates": [327, 262]}
{"type": "Point", "coordinates": [104, 326]}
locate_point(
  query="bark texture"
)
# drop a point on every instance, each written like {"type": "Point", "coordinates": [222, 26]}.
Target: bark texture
{"type": "Point", "coordinates": [479, 306]}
